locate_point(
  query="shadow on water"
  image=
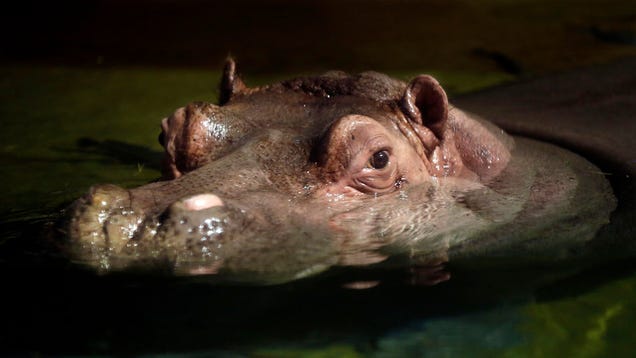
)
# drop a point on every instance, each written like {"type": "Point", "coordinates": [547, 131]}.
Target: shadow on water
{"type": "Point", "coordinates": [102, 152]}
{"type": "Point", "coordinates": [122, 152]}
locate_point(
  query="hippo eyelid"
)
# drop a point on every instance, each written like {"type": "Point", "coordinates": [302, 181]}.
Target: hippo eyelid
{"type": "Point", "coordinates": [376, 142]}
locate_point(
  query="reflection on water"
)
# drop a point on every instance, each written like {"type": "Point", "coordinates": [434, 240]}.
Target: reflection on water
{"type": "Point", "coordinates": [60, 308]}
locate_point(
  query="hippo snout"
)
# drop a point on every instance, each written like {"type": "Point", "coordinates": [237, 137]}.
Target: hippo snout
{"type": "Point", "coordinates": [108, 230]}
{"type": "Point", "coordinates": [102, 222]}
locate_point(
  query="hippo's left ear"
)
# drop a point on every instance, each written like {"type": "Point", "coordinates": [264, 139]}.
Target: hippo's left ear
{"type": "Point", "coordinates": [425, 103]}
{"type": "Point", "coordinates": [231, 83]}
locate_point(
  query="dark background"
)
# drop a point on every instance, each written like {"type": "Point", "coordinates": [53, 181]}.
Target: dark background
{"type": "Point", "coordinates": [282, 36]}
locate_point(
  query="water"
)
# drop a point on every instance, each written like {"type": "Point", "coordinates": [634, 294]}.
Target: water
{"type": "Point", "coordinates": [65, 129]}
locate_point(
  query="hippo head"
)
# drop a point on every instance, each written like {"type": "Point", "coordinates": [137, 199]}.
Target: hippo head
{"type": "Point", "coordinates": [288, 179]}
{"type": "Point", "coordinates": [366, 134]}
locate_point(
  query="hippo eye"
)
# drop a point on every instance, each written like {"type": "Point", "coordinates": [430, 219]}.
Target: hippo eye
{"type": "Point", "coordinates": [379, 160]}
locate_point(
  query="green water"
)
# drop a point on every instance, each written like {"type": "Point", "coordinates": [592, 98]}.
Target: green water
{"type": "Point", "coordinates": [597, 323]}
{"type": "Point", "coordinates": [64, 129]}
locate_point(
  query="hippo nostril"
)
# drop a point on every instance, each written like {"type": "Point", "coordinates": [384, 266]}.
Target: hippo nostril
{"type": "Point", "coordinates": [202, 201]}
{"type": "Point", "coordinates": [108, 196]}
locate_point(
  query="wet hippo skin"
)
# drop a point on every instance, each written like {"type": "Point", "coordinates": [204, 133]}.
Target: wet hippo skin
{"type": "Point", "coordinates": [288, 180]}
{"type": "Point", "coordinates": [591, 111]}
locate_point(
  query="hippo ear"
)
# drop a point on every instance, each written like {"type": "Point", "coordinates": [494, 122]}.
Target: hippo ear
{"type": "Point", "coordinates": [425, 103]}
{"type": "Point", "coordinates": [231, 83]}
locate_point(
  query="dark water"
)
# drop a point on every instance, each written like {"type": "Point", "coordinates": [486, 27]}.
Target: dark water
{"type": "Point", "coordinates": [74, 115]}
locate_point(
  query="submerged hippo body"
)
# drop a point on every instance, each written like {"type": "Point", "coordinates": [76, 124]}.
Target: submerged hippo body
{"type": "Point", "coordinates": [284, 181]}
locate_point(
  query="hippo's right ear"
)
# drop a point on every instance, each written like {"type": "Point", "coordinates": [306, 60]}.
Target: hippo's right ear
{"type": "Point", "coordinates": [425, 103]}
{"type": "Point", "coordinates": [231, 83]}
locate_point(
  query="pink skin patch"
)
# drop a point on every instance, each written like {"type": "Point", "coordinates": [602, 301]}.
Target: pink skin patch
{"type": "Point", "coordinates": [429, 274]}
{"type": "Point", "coordinates": [210, 269]}
{"type": "Point", "coordinates": [202, 201]}
{"type": "Point", "coordinates": [361, 285]}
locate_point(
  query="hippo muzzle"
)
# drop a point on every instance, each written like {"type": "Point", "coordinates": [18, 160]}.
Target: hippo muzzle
{"type": "Point", "coordinates": [184, 222]}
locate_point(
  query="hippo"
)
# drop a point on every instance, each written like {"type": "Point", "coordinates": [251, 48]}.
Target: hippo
{"type": "Point", "coordinates": [289, 180]}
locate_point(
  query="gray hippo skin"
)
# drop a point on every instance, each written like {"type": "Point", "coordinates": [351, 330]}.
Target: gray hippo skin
{"type": "Point", "coordinates": [285, 181]}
